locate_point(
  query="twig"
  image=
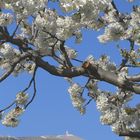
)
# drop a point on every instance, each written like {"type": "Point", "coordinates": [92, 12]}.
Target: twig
{"type": "Point", "coordinates": [34, 85]}
{"type": "Point", "coordinates": [123, 64]}
{"type": "Point", "coordinates": [8, 106]}
{"type": "Point", "coordinates": [53, 36]}
{"type": "Point", "coordinates": [78, 60]}
{"type": "Point", "coordinates": [88, 102]}
{"type": "Point", "coordinates": [85, 86]}
{"type": "Point", "coordinates": [29, 85]}
{"type": "Point", "coordinates": [63, 51]}
{"type": "Point", "coordinates": [16, 28]}
{"type": "Point", "coordinates": [126, 59]}
{"type": "Point", "coordinates": [132, 66]}
{"type": "Point", "coordinates": [114, 6]}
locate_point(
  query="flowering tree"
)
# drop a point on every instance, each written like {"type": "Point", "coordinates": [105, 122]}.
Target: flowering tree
{"type": "Point", "coordinates": [41, 32]}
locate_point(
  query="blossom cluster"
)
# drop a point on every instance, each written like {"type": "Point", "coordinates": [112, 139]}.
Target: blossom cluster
{"type": "Point", "coordinates": [44, 30]}
{"type": "Point", "coordinates": [113, 31]}
{"type": "Point", "coordinates": [8, 54]}
{"type": "Point", "coordinates": [5, 19]}
{"type": "Point", "coordinates": [11, 119]}
{"type": "Point", "coordinates": [115, 112]}
{"type": "Point", "coordinates": [22, 98]}
{"type": "Point", "coordinates": [75, 91]}
{"type": "Point", "coordinates": [116, 30]}
{"type": "Point", "coordinates": [83, 5]}
{"type": "Point", "coordinates": [104, 62]}
{"type": "Point", "coordinates": [113, 107]}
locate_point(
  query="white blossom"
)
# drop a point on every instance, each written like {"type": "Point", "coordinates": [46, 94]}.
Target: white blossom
{"type": "Point", "coordinates": [22, 98]}
{"type": "Point", "coordinates": [5, 19]}
{"type": "Point", "coordinates": [77, 100]}
{"type": "Point", "coordinates": [30, 67]}
{"type": "Point", "coordinates": [8, 52]}
{"type": "Point", "coordinates": [11, 119]}
{"type": "Point", "coordinates": [16, 112]}
{"type": "Point", "coordinates": [102, 102]}
{"type": "Point", "coordinates": [105, 63]}
{"type": "Point", "coordinates": [113, 31]}
{"type": "Point", "coordinates": [109, 117]}
{"type": "Point", "coordinates": [75, 89]}
{"type": "Point", "coordinates": [117, 127]}
{"type": "Point", "coordinates": [10, 122]}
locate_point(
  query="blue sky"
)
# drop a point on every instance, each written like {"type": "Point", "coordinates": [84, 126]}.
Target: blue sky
{"type": "Point", "coordinates": [52, 113]}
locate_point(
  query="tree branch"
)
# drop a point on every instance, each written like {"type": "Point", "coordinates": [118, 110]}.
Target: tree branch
{"type": "Point", "coordinates": [8, 106]}
{"type": "Point", "coordinates": [34, 84]}
{"type": "Point", "coordinates": [134, 78]}
{"type": "Point", "coordinates": [130, 134]}
{"type": "Point", "coordinates": [92, 71]}
{"type": "Point", "coordinates": [115, 7]}
{"type": "Point", "coordinates": [64, 53]}
{"type": "Point", "coordinates": [13, 34]}
{"type": "Point", "coordinates": [73, 72]}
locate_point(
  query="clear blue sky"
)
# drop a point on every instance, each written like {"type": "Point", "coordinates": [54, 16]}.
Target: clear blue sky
{"type": "Point", "coordinates": [52, 113]}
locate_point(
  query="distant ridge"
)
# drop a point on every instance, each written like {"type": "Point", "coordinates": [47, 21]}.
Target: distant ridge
{"type": "Point", "coordinates": [59, 137]}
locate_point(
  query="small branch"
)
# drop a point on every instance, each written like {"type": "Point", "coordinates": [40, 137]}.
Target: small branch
{"type": "Point", "coordinates": [132, 66]}
{"type": "Point", "coordinates": [63, 51]}
{"type": "Point", "coordinates": [55, 57]}
{"type": "Point", "coordinates": [34, 85]}
{"type": "Point", "coordinates": [115, 7]}
{"type": "Point", "coordinates": [88, 102]}
{"type": "Point", "coordinates": [132, 43]}
{"type": "Point", "coordinates": [78, 60]}
{"type": "Point", "coordinates": [126, 58]}
{"type": "Point", "coordinates": [123, 64]}
{"type": "Point", "coordinates": [8, 106]}
{"type": "Point", "coordinates": [53, 36]}
{"type": "Point", "coordinates": [30, 83]}
{"type": "Point", "coordinates": [6, 31]}
{"type": "Point", "coordinates": [16, 28]}
{"type": "Point", "coordinates": [85, 86]}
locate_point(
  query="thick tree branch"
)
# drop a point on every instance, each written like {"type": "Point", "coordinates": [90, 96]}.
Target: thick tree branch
{"type": "Point", "coordinates": [73, 72]}
{"type": "Point", "coordinates": [130, 134]}
{"type": "Point", "coordinates": [93, 71]}
{"type": "Point", "coordinates": [112, 78]}
{"type": "Point", "coordinates": [134, 78]}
